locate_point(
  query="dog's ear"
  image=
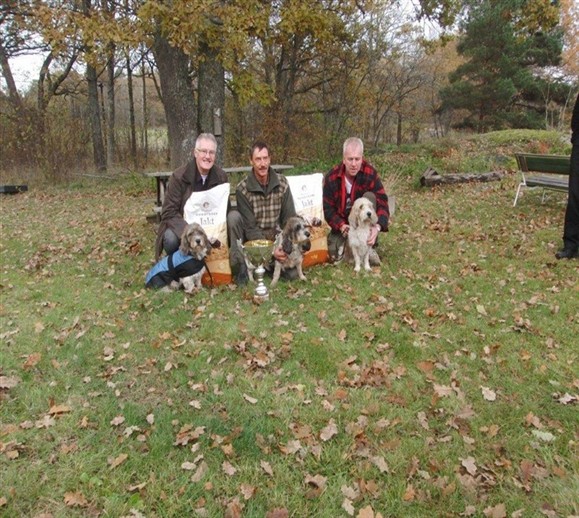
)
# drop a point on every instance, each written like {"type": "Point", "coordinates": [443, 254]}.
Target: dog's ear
{"type": "Point", "coordinates": [185, 245]}
{"type": "Point", "coordinates": [287, 245]}
{"type": "Point", "coordinates": [353, 217]}
{"type": "Point", "coordinates": [185, 248]}
{"type": "Point", "coordinates": [214, 242]}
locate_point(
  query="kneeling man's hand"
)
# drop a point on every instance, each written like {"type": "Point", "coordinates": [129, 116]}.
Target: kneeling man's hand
{"type": "Point", "coordinates": [374, 231]}
{"type": "Point", "coordinates": [279, 254]}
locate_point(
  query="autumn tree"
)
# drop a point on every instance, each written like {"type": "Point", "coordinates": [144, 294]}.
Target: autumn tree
{"type": "Point", "coordinates": [504, 42]}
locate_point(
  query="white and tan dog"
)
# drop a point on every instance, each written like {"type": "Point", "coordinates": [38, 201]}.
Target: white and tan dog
{"type": "Point", "coordinates": [185, 267]}
{"type": "Point", "coordinates": [294, 240]}
{"type": "Point", "coordinates": [362, 218]}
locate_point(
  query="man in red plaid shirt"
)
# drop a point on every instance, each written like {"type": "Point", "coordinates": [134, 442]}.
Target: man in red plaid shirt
{"type": "Point", "coordinates": [344, 184]}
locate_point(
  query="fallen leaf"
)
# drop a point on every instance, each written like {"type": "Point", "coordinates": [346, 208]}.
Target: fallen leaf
{"type": "Point", "coordinates": [291, 447]}
{"type": "Point", "coordinates": [316, 484]}
{"type": "Point", "coordinates": [532, 420]}
{"type": "Point", "coordinates": [469, 465]}
{"type": "Point", "coordinates": [59, 409]}
{"type": "Point", "coordinates": [543, 436]}
{"type": "Point", "coordinates": [228, 468]}
{"type": "Point", "coordinates": [200, 473]}
{"type": "Point", "coordinates": [329, 431]}
{"type": "Point", "coordinates": [76, 499]}
{"type": "Point", "coordinates": [488, 394]}
{"type": "Point", "coordinates": [380, 463]}
{"type": "Point", "coordinates": [567, 398]}
{"type": "Point", "coordinates": [31, 361]}
{"type": "Point", "coordinates": [233, 509]}
{"type": "Point", "coordinates": [117, 461]}
{"type": "Point", "coordinates": [249, 399]}
{"type": "Point", "coordinates": [136, 487]}
{"type": "Point", "coordinates": [8, 382]}
{"type": "Point", "coordinates": [45, 422]}
{"type": "Point", "coordinates": [316, 480]}
{"type": "Point", "coordinates": [409, 493]}
{"type": "Point", "coordinates": [442, 390]}
{"type": "Point", "coordinates": [498, 511]}
{"type": "Point", "coordinates": [265, 466]}
{"type": "Point", "coordinates": [117, 420]}
{"type": "Point", "coordinates": [278, 512]}
{"type": "Point", "coordinates": [351, 493]}
{"type": "Point", "coordinates": [368, 512]}
{"type": "Point", "coordinates": [247, 491]}
{"type": "Point", "coordinates": [348, 506]}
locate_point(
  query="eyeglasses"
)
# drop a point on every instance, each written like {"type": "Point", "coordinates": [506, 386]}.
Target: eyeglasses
{"type": "Point", "coordinates": [209, 152]}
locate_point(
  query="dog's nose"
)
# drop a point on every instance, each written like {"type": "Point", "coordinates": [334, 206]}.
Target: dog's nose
{"type": "Point", "coordinates": [307, 233]}
{"type": "Point", "coordinates": [368, 214]}
{"type": "Point", "coordinates": [198, 241]}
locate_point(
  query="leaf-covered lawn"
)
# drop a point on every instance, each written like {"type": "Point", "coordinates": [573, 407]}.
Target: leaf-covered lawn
{"type": "Point", "coordinates": [444, 383]}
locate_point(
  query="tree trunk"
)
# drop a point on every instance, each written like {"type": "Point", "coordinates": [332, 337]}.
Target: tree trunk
{"type": "Point", "coordinates": [211, 98]}
{"type": "Point", "coordinates": [178, 101]}
{"type": "Point", "coordinates": [95, 119]}
{"type": "Point", "coordinates": [430, 177]}
{"type": "Point", "coordinates": [13, 94]}
{"type": "Point", "coordinates": [145, 135]}
{"type": "Point", "coordinates": [398, 128]}
{"type": "Point", "coordinates": [111, 107]}
{"type": "Point", "coordinates": [133, 131]}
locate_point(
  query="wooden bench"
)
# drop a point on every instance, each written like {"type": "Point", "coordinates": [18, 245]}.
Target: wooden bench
{"type": "Point", "coordinates": [162, 179]}
{"type": "Point", "coordinates": [544, 171]}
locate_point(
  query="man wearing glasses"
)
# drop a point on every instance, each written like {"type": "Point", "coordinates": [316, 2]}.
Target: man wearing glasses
{"type": "Point", "coordinates": [200, 174]}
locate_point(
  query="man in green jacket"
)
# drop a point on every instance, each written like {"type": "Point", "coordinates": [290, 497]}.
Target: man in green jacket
{"type": "Point", "coordinates": [264, 204]}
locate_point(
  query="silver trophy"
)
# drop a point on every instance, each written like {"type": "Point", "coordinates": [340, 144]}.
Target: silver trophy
{"type": "Point", "coordinates": [259, 251]}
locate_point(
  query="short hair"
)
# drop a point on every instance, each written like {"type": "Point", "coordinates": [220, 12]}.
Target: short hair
{"type": "Point", "coordinates": [259, 145]}
{"type": "Point", "coordinates": [353, 142]}
{"type": "Point", "coordinates": [205, 136]}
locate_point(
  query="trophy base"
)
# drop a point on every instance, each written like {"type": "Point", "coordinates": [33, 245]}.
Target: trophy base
{"type": "Point", "coordinates": [260, 299]}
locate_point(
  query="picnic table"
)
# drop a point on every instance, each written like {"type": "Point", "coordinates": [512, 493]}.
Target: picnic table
{"type": "Point", "coordinates": [162, 179]}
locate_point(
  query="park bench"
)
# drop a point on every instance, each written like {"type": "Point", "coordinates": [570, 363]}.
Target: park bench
{"type": "Point", "coordinates": [162, 179]}
{"type": "Point", "coordinates": [544, 171]}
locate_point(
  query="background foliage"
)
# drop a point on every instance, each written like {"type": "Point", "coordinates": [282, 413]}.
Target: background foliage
{"type": "Point", "coordinates": [302, 75]}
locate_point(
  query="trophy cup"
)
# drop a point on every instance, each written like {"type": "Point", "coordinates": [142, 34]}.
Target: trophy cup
{"type": "Point", "coordinates": [259, 251]}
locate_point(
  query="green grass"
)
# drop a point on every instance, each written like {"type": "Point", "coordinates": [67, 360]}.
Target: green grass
{"type": "Point", "coordinates": [469, 299]}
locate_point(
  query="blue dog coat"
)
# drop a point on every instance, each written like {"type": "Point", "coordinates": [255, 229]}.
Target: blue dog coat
{"type": "Point", "coordinates": [172, 268]}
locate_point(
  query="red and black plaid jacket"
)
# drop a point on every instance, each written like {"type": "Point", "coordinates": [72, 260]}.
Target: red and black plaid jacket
{"type": "Point", "coordinates": [335, 195]}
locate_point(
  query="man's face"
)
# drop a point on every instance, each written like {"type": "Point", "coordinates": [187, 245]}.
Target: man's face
{"type": "Point", "coordinates": [352, 160]}
{"type": "Point", "coordinates": [260, 163]}
{"type": "Point", "coordinates": [205, 155]}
